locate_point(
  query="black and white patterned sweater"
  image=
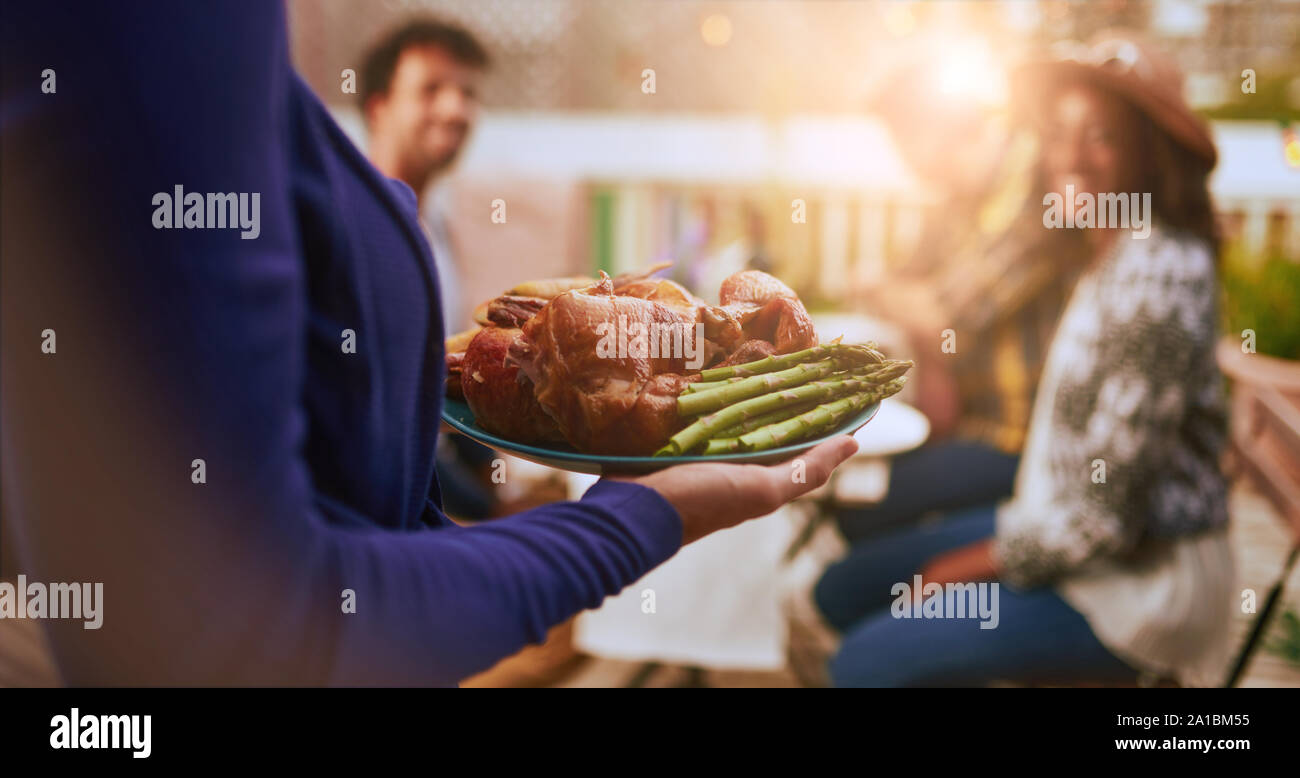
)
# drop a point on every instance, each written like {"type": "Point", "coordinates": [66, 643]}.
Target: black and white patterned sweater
{"type": "Point", "coordinates": [1129, 420]}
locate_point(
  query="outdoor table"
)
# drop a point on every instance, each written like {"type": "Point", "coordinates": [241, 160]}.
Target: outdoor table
{"type": "Point", "coordinates": [717, 603]}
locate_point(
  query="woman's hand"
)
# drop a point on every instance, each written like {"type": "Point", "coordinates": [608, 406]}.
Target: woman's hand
{"type": "Point", "coordinates": [967, 564]}
{"type": "Point", "coordinates": [711, 496]}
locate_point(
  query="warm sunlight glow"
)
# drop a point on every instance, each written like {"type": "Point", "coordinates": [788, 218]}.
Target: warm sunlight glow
{"type": "Point", "coordinates": [969, 71]}
{"type": "Point", "coordinates": [716, 30]}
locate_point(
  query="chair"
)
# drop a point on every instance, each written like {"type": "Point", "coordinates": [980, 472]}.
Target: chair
{"type": "Point", "coordinates": [1265, 448]}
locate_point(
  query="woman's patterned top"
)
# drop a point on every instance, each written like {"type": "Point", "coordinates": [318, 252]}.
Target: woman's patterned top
{"type": "Point", "coordinates": [1133, 417]}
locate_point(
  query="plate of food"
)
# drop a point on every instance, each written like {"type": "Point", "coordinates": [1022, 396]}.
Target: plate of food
{"type": "Point", "coordinates": [634, 374]}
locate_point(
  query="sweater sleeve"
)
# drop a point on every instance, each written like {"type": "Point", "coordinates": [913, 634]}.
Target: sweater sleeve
{"type": "Point", "coordinates": [448, 603]}
{"type": "Point", "coordinates": [1128, 368]}
{"type": "Point", "coordinates": [159, 449]}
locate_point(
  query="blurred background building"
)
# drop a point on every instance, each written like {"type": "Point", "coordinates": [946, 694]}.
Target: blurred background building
{"type": "Point", "coordinates": [757, 104]}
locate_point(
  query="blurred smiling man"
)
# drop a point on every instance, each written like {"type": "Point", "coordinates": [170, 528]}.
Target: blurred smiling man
{"type": "Point", "coordinates": [419, 98]}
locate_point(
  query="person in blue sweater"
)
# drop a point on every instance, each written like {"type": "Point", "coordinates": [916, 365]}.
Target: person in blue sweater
{"type": "Point", "coordinates": [232, 426]}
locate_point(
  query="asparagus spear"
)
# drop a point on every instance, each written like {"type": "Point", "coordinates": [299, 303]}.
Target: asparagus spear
{"type": "Point", "coordinates": [722, 446]}
{"type": "Point", "coordinates": [703, 402]}
{"type": "Point", "coordinates": [703, 428]}
{"type": "Point", "coordinates": [879, 373]}
{"type": "Point", "coordinates": [780, 414]}
{"type": "Point", "coordinates": [705, 386]}
{"type": "Point", "coordinates": [863, 353]}
{"type": "Point", "coordinates": [728, 440]}
{"type": "Point", "coordinates": [804, 424]}
{"type": "Point", "coordinates": [819, 419]}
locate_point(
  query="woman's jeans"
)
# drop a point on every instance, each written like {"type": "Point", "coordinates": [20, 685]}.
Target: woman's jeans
{"type": "Point", "coordinates": [1038, 637]}
{"type": "Point", "coordinates": [947, 476]}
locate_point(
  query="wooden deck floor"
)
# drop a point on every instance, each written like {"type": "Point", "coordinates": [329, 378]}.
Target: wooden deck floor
{"type": "Point", "coordinates": [1261, 543]}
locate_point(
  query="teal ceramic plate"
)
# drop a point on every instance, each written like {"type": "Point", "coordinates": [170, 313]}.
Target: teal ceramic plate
{"type": "Point", "coordinates": [459, 416]}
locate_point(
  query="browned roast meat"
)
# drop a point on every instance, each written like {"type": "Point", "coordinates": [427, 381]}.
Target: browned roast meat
{"type": "Point", "coordinates": [499, 395]}
{"type": "Point", "coordinates": [768, 310]}
{"type": "Point", "coordinates": [455, 368]}
{"type": "Point", "coordinates": [749, 351]}
{"type": "Point", "coordinates": [455, 359]}
{"type": "Point", "coordinates": [513, 310]}
{"type": "Point", "coordinates": [752, 287]}
{"type": "Point", "coordinates": [601, 365]}
{"type": "Point", "coordinates": [579, 351]}
{"type": "Point", "coordinates": [667, 293]}
{"type": "Point", "coordinates": [785, 323]}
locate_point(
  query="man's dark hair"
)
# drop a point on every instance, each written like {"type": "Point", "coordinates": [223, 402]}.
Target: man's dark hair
{"type": "Point", "coordinates": [380, 62]}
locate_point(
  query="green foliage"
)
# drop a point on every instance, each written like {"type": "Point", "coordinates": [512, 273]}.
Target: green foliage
{"type": "Point", "coordinates": [1287, 643]}
{"type": "Point", "coordinates": [1271, 100]}
{"type": "Point", "coordinates": [1263, 296]}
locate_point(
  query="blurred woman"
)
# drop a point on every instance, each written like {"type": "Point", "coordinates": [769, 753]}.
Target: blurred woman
{"type": "Point", "coordinates": [1111, 557]}
{"type": "Point", "coordinates": [983, 270]}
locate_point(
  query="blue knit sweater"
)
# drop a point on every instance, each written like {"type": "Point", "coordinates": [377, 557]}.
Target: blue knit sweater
{"type": "Point", "coordinates": [177, 344]}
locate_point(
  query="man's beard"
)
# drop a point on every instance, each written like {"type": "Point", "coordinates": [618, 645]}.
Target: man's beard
{"type": "Point", "coordinates": [437, 160]}
{"type": "Point", "coordinates": [439, 164]}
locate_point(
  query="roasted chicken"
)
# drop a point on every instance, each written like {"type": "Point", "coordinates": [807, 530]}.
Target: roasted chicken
{"type": "Point", "coordinates": [502, 400]}
{"type": "Point", "coordinates": [768, 310]}
{"type": "Point", "coordinates": [592, 384]}
{"type": "Point", "coordinates": [600, 365]}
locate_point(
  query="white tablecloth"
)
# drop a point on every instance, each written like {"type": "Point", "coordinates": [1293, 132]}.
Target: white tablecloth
{"type": "Point", "coordinates": [717, 604]}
